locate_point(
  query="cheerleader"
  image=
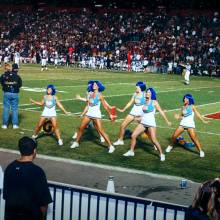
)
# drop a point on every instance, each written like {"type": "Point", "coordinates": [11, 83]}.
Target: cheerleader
{"type": "Point", "coordinates": [187, 123]}
{"type": "Point", "coordinates": [138, 100]}
{"type": "Point", "coordinates": [78, 97]}
{"type": "Point", "coordinates": [49, 102]}
{"type": "Point", "coordinates": [92, 113]}
{"type": "Point", "coordinates": [148, 123]}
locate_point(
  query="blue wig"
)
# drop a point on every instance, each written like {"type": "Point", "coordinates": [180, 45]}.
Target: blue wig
{"type": "Point", "coordinates": [89, 87]}
{"type": "Point", "coordinates": [142, 85]}
{"type": "Point", "coordinates": [53, 89]}
{"type": "Point", "coordinates": [153, 93]}
{"type": "Point", "coordinates": [99, 84]}
{"type": "Point", "coordinates": [190, 98]}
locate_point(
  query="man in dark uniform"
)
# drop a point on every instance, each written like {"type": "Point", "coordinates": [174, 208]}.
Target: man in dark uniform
{"type": "Point", "coordinates": [15, 68]}
{"type": "Point", "coordinates": [25, 189]}
{"type": "Point", "coordinates": [11, 83]}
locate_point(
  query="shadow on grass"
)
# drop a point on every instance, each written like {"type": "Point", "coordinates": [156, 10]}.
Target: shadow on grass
{"type": "Point", "coordinates": [147, 147]}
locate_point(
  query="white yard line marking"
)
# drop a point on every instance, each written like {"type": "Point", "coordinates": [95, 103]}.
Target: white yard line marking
{"type": "Point", "coordinates": [26, 104]}
{"type": "Point", "coordinates": [119, 120]}
{"type": "Point", "coordinates": [164, 91]}
{"type": "Point", "coordinates": [201, 132]}
{"type": "Point", "coordinates": [202, 105]}
{"type": "Point", "coordinates": [37, 89]}
{"type": "Point", "coordinates": [33, 108]}
{"type": "Point", "coordinates": [116, 84]}
{"type": "Point", "coordinates": [127, 94]}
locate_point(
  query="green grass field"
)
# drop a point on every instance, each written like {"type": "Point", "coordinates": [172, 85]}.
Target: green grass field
{"type": "Point", "coordinates": [120, 87]}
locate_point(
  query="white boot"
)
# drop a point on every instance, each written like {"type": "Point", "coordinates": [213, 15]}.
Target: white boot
{"type": "Point", "coordinates": [74, 136]}
{"type": "Point", "coordinates": [201, 153]}
{"type": "Point", "coordinates": [111, 149]}
{"type": "Point", "coordinates": [130, 153]}
{"type": "Point", "coordinates": [102, 140]}
{"type": "Point", "coordinates": [60, 142]}
{"type": "Point", "coordinates": [34, 136]}
{"type": "Point", "coordinates": [118, 142]}
{"type": "Point", "coordinates": [74, 145]}
{"type": "Point", "coordinates": [169, 148]}
{"type": "Point", "coordinates": [162, 157]}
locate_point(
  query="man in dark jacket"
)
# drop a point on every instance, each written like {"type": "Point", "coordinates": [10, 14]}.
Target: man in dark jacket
{"type": "Point", "coordinates": [11, 83]}
{"type": "Point", "coordinates": [25, 189]}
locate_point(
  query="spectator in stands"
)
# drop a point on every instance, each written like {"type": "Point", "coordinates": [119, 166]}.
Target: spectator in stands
{"type": "Point", "coordinates": [26, 192]}
{"type": "Point", "coordinates": [206, 203]}
{"type": "Point", "coordinates": [1, 179]}
{"type": "Point", "coordinates": [183, 38]}
{"type": "Point", "coordinates": [11, 83]}
{"type": "Point", "coordinates": [214, 202]}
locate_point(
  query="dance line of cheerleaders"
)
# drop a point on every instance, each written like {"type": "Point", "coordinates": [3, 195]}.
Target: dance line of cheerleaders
{"type": "Point", "coordinates": [144, 106]}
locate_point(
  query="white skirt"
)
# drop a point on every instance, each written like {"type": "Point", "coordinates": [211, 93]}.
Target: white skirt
{"type": "Point", "coordinates": [49, 112]}
{"type": "Point", "coordinates": [148, 120]}
{"type": "Point", "coordinates": [136, 111]}
{"type": "Point", "coordinates": [94, 112]}
{"type": "Point", "coordinates": [187, 122]}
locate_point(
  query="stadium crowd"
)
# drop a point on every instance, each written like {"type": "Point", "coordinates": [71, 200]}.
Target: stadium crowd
{"type": "Point", "coordinates": [158, 42]}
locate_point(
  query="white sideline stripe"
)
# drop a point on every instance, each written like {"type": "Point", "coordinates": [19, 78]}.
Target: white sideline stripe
{"type": "Point", "coordinates": [165, 91]}
{"type": "Point", "coordinates": [106, 167]}
{"type": "Point", "coordinates": [202, 105]}
{"type": "Point", "coordinates": [25, 129]}
{"type": "Point", "coordinates": [133, 84]}
{"type": "Point", "coordinates": [201, 132]}
{"type": "Point", "coordinates": [115, 84]}
{"type": "Point", "coordinates": [119, 120]}
{"type": "Point", "coordinates": [171, 110]}
{"type": "Point", "coordinates": [33, 108]}
{"type": "Point", "coordinates": [109, 96]}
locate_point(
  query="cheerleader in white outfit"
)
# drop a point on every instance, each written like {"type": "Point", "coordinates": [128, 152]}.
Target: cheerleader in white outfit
{"type": "Point", "coordinates": [49, 102]}
{"type": "Point", "coordinates": [138, 101]}
{"type": "Point", "coordinates": [148, 123]}
{"type": "Point", "coordinates": [92, 113]}
{"type": "Point", "coordinates": [78, 97]}
{"type": "Point", "coordinates": [187, 123]}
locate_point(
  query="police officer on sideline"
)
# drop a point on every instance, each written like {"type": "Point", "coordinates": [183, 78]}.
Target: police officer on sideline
{"type": "Point", "coordinates": [11, 83]}
{"type": "Point", "coordinates": [15, 68]}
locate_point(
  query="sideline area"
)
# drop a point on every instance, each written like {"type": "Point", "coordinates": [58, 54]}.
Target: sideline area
{"type": "Point", "coordinates": [127, 181]}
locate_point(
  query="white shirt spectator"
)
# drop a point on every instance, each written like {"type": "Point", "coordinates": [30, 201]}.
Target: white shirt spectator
{"type": "Point", "coordinates": [170, 66]}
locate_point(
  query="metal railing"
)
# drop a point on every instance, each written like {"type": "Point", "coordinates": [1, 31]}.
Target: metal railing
{"type": "Point", "coordinates": [79, 203]}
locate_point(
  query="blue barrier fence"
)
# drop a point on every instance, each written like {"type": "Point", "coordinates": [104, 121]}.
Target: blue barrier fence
{"type": "Point", "coordinates": [79, 203]}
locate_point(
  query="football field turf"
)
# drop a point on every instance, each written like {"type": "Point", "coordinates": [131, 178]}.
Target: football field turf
{"type": "Point", "coordinates": [119, 88]}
